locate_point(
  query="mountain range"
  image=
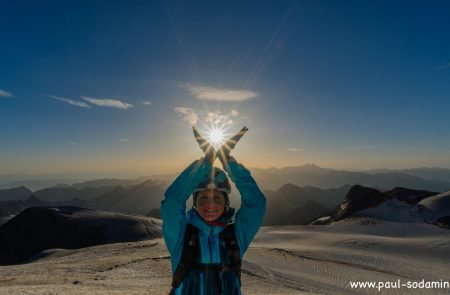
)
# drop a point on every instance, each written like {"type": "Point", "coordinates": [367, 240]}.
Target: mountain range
{"type": "Point", "coordinates": [437, 179]}
{"type": "Point", "coordinates": [312, 175]}
{"type": "Point", "coordinates": [291, 204]}
{"type": "Point", "coordinates": [136, 199]}
{"type": "Point", "coordinates": [295, 195]}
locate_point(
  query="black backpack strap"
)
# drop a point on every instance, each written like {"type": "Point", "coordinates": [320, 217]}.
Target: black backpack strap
{"type": "Point", "coordinates": [190, 250]}
{"type": "Point", "coordinates": [233, 251]}
{"type": "Point", "coordinates": [188, 255]}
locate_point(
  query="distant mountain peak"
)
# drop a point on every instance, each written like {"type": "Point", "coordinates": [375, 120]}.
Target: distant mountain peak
{"type": "Point", "coordinates": [288, 186]}
{"type": "Point", "coordinates": [311, 165]}
{"type": "Point", "coordinates": [33, 198]}
{"type": "Point", "coordinates": [15, 194]}
{"type": "Point", "coordinates": [20, 189]}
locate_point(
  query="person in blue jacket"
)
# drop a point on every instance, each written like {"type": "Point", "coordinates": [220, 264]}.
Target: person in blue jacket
{"type": "Point", "coordinates": [210, 217]}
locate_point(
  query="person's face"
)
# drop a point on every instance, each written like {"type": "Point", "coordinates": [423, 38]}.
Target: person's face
{"type": "Point", "coordinates": [210, 204]}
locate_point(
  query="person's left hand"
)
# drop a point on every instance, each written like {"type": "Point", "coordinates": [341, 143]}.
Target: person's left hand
{"type": "Point", "coordinates": [207, 148]}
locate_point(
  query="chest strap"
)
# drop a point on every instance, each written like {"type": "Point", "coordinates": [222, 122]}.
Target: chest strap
{"type": "Point", "coordinates": [191, 250]}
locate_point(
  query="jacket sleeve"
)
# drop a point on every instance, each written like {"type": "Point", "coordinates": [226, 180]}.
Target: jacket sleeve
{"type": "Point", "coordinates": [253, 204]}
{"type": "Point", "coordinates": [173, 207]}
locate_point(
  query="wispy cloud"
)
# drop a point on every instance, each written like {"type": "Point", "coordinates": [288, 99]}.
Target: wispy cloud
{"type": "Point", "coordinates": [219, 94]}
{"type": "Point", "coordinates": [108, 102]}
{"type": "Point", "coordinates": [188, 114]}
{"type": "Point", "coordinates": [77, 103]}
{"type": "Point", "coordinates": [219, 119]}
{"type": "Point", "coordinates": [124, 139]}
{"type": "Point", "coordinates": [359, 147]}
{"type": "Point", "coordinates": [216, 118]}
{"type": "Point", "coordinates": [424, 141]}
{"type": "Point", "coordinates": [147, 103]}
{"type": "Point", "coordinates": [4, 93]}
{"type": "Point", "coordinates": [72, 143]}
{"type": "Point", "coordinates": [443, 66]}
{"type": "Point", "coordinates": [295, 149]}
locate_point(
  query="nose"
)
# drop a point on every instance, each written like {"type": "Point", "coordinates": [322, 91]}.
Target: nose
{"type": "Point", "coordinates": [210, 203]}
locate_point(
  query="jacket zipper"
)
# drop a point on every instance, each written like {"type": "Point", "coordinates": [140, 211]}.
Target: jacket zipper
{"type": "Point", "coordinates": [210, 250]}
{"type": "Point", "coordinates": [210, 244]}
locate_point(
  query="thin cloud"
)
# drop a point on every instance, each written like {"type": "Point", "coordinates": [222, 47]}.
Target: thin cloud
{"type": "Point", "coordinates": [4, 93]}
{"type": "Point", "coordinates": [189, 115]}
{"type": "Point", "coordinates": [219, 119]}
{"type": "Point", "coordinates": [72, 143]}
{"type": "Point", "coordinates": [77, 103]}
{"type": "Point", "coordinates": [425, 141]}
{"type": "Point", "coordinates": [219, 94]}
{"type": "Point", "coordinates": [359, 147]}
{"type": "Point", "coordinates": [215, 118]}
{"type": "Point", "coordinates": [147, 103]}
{"type": "Point", "coordinates": [108, 102]}
{"type": "Point", "coordinates": [443, 67]}
{"type": "Point", "coordinates": [124, 139]}
{"type": "Point", "coordinates": [295, 149]}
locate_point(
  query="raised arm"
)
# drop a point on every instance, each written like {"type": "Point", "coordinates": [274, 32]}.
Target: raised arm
{"type": "Point", "coordinates": [173, 207]}
{"type": "Point", "coordinates": [253, 203]}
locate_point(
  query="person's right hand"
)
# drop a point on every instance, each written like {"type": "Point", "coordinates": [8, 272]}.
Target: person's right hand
{"type": "Point", "coordinates": [224, 152]}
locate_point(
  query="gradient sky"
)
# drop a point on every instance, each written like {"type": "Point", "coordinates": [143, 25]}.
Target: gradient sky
{"type": "Point", "coordinates": [113, 86]}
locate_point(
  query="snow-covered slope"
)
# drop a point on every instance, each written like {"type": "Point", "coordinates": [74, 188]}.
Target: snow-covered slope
{"type": "Point", "coordinates": [439, 204]}
{"type": "Point", "coordinates": [281, 260]}
{"type": "Point", "coordinates": [397, 205]}
{"type": "Point", "coordinates": [436, 208]}
{"type": "Point", "coordinates": [392, 210]}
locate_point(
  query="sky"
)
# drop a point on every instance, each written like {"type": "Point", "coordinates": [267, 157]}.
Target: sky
{"type": "Point", "coordinates": [115, 86]}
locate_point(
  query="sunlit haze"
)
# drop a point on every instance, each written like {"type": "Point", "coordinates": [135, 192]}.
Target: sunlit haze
{"type": "Point", "coordinates": [114, 88]}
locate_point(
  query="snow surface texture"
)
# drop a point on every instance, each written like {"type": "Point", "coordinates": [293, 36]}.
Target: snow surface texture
{"type": "Point", "coordinates": [281, 260]}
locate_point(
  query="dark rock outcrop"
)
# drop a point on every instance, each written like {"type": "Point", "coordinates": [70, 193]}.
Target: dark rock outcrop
{"type": "Point", "coordinates": [39, 228]}
{"type": "Point", "coordinates": [358, 198]}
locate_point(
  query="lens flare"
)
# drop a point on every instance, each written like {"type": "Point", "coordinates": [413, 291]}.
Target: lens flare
{"type": "Point", "coordinates": [216, 136]}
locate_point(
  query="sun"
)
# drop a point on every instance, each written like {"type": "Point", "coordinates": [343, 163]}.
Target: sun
{"type": "Point", "coordinates": [216, 136]}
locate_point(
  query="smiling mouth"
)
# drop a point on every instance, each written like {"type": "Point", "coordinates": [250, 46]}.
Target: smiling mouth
{"type": "Point", "coordinates": [210, 212]}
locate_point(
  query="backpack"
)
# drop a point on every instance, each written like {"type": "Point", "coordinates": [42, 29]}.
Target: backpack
{"type": "Point", "coordinates": [190, 251]}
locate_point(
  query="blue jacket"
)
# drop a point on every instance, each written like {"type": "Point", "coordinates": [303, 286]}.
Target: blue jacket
{"type": "Point", "coordinates": [248, 220]}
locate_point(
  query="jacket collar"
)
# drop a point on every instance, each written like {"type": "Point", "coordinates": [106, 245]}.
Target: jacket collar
{"type": "Point", "coordinates": [207, 229]}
